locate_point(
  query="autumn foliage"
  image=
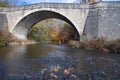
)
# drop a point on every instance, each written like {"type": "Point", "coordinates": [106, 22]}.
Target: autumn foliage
{"type": "Point", "coordinates": [57, 37]}
{"type": "Point", "coordinates": [52, 30]}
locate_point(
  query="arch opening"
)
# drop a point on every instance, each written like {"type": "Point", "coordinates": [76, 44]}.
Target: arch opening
{"type": "Point", "coordinates": [24, 26]}
{"type": "Point", "coordinates": [52, 30]}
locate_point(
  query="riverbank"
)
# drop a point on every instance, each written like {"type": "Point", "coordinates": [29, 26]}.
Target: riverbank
{"type": "Point", "coordinates": [99, 44]}
{"type": "Point", "coordinates": [2, 41]}
{"type": "Point", "coordinates": [22, 42]}
{"type": "Point", "coordinates": [10, 39]}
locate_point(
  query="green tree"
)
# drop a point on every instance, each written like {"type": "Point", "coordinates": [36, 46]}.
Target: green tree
{"type": "Point", "coordinates": [4, 3]}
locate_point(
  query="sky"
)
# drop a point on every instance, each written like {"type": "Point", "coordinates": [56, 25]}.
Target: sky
{"type": "Point", "coordinates": [63, 1]}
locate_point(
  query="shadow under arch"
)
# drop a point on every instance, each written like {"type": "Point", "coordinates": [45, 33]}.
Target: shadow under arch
{"type": "Point", "coordinates": [24, 25]}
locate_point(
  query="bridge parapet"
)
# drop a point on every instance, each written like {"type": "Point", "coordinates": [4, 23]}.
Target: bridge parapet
{"type": "Point", "coordinates": [106, 4]}
{"type": "Point", "coordinates": [47, 5]}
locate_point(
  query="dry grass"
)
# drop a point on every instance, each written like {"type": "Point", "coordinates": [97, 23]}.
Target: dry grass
{"type": "Point", "coordinates": [95, 43]}
{"type": "Point", "coordinates": [101, 44]}
{"type": "Point", "coordinates": [114, 46]}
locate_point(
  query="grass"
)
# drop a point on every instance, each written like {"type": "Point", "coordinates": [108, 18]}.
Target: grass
{"type": "Point", "coordinates": [2, 40]}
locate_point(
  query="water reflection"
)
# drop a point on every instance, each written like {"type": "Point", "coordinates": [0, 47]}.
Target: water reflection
{"type": "Point", "coordinates": [28, 62]}
{"type": "Point", "coordinates": [11, 58]}
{"type": "Point", "coordinates": [15, 58]}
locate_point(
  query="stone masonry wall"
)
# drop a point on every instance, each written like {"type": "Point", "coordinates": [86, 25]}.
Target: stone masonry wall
{"type": "Point", "coordinates": [103, 20]}
{"type": "Point", "coordinates": [109, 23]}
{"type": "Point", "coordinates": [91, 25]}
{"type": "Point", "coordinates": [3, 23]}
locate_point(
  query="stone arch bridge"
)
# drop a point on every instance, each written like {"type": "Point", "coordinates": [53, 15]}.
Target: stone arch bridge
{"type": "Point", "coordinates": [90, 20]}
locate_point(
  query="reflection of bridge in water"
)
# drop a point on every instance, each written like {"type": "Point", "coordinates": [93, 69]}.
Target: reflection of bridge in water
{"type": "Point", "coordinates": [89, 20]}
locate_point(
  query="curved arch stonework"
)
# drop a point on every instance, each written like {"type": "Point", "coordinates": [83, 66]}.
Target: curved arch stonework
{"type": "Point", "coordinates": [24, 25]}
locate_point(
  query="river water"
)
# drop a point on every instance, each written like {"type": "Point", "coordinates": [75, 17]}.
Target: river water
{"type": "Point", "coordinates": [34, 62]}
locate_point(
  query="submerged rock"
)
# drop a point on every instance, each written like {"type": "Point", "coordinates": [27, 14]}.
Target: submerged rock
{"type": "Point", "coordinates": [22, 42]}
{"type": "Point", "coordinates": [74, 43]}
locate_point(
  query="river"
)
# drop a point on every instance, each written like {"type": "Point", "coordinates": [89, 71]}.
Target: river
{"type": "Point", "coordinates": [33, 62]}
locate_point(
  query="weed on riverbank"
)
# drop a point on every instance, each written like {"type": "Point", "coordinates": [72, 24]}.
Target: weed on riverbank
{"type": "Point", "coordinates": [114, 46]}
{"type": "Point", "coordinates": [101, 44]}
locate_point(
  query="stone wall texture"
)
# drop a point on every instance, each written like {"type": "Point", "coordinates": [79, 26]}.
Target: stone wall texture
{"type": "Point", "coordinates": [3, 23]}
{"type": "Point", "coordinates": [103, 20]}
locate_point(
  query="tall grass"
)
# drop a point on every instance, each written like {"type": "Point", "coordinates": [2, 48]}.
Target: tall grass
{"type": "Point", "coordinates": [114, 46]}
{"type": "Point", "coordinates": [101, 44]}
{"type": "Point", "coordinates": [95, 43]}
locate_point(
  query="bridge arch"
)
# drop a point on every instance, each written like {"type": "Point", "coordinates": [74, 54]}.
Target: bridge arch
{"type": "Point", "coordinates": [26, 23]}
